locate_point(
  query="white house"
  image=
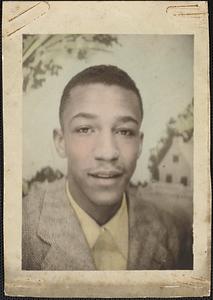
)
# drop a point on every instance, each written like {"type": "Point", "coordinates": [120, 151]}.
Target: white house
{"type": "Point", "coordinates": [176, 167]}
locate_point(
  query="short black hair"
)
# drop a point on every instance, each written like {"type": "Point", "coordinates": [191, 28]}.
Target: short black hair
{"type": "Point", "coordinates": [106, 74]}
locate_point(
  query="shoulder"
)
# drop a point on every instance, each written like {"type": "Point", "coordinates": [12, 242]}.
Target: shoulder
{"type": "Point", "coordinates": [38, 190]}
{"type": "Point", "coordinates": [153, 211]}
{"type": "Point", "coordinates": [32, 203]}
{"type": "Point", "coordinates": [146, 208]}
{"type": "Point", "coordinates": [175, 235]}
{"type": "Point", "coordinates": [33, 247]}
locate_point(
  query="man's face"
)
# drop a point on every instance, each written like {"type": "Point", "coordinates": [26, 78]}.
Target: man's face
{"type": "Point", "coordinates": [101, 141]}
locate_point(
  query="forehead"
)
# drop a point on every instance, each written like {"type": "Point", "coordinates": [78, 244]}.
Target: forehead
{"type": "Point", "coordinates": [103, 101]}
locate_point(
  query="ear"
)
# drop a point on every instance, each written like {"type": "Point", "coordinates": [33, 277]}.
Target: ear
{"type": "Point", "coordinates": [59, 142]}
{"type": "Point", "coordinates": [140, 144]}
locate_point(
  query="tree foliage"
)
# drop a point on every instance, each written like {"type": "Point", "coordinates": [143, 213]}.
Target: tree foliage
{"type": "Point", "coordinates": [43, 175]}
{"type": "Point", "coordinates": [182, 126]}
{"type": "Point", "coordinates": [41, 53]}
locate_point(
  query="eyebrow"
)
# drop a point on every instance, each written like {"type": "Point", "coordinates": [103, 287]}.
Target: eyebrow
{"type": "Point", "coordinates": [124, 119]}
{"type": "Point", "coordinates": [85, 116]}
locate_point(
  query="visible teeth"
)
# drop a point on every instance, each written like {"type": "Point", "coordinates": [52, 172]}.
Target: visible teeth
{"type": "Point", "coordinates": [103, 176]}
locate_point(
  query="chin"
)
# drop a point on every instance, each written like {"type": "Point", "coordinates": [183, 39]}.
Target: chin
{"type": "Point", "coordinates": [107, 198]}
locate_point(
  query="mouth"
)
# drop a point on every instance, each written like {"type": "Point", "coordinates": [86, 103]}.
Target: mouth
{"type": "Point", "coordinates": [106, 175]}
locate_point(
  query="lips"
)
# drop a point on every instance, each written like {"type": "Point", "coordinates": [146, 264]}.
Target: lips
{"type": "Point", "coordinates": [103, 174]}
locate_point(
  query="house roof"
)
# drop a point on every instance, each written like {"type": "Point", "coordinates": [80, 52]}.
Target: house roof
{"type": "Point", "coordinates": [178, 142]}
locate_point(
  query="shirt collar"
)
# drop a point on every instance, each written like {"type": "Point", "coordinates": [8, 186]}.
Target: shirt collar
{"type": "Point", "coordinates": [117, 225]}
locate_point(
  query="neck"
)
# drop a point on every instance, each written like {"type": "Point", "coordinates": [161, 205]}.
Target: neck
{"type": "Point", "coordinates": [100, 213]}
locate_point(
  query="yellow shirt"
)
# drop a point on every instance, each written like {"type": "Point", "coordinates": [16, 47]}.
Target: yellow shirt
{"type": "Point", "coordinates": [117, 226]}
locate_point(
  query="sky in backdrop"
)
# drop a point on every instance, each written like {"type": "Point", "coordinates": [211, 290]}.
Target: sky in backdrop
{"type": "Point", "coordinates": [161, 66]}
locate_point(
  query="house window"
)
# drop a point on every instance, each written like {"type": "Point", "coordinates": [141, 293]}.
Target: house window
{"type": "Point", "coordinates": [169, 178]}
{"type": "Point", "coordinates": [175, 158]}
{"type": "Point", "coordinates": [184, 180]}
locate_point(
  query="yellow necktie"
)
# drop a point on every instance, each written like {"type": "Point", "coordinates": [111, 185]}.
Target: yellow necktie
{"type": "Point", "coordinates": [106, 253]}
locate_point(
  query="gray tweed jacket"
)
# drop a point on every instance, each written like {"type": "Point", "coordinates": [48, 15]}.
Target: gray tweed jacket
{"type": "Point", "coordinates": [52, 238]}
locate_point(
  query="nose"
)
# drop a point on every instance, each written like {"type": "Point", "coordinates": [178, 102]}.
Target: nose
{"type": "Point", "coordinates": [106, 148]}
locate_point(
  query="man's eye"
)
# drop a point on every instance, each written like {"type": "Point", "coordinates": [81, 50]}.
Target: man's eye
{"type": "Point", "coordinates": [125, 132]}
{"type": "Point", "coordinates": [85, 130]}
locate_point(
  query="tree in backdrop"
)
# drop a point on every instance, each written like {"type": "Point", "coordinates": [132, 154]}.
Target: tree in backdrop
{"type": "Point", "coordinates": [182, 126]}
{"type": "Point", "coordinates": [46, 174]}
{"type": "Point", "coordinates": [41, 53]}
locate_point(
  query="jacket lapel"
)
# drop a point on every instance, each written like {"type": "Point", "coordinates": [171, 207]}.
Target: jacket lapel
{"type": "Point", "coordinates": [146, 236]}
{"type": "Point", "coordinates": [59, 227]}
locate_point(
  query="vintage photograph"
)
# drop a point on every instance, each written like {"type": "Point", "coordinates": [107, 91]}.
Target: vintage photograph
{"type": "Point", "coordinates": [121, 122]}
{"type": "Point", "coordinates": [106, 112]}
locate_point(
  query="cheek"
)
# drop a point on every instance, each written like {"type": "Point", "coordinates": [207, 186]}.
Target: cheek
{"type": "Point", "coordinates": [129, 152]}
{"type": "Point", "coordinates": [79, 149]}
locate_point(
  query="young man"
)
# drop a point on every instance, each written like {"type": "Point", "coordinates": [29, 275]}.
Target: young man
{"type": "Point", "coordinates": [92, 219]}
